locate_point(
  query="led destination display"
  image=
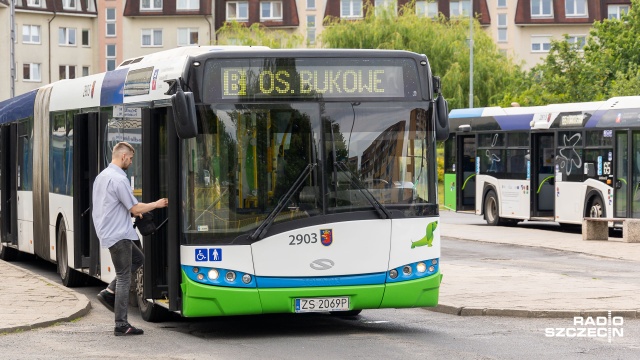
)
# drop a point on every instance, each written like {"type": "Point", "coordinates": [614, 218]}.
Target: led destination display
{"type": "Point", "coordinates": [280, 80]}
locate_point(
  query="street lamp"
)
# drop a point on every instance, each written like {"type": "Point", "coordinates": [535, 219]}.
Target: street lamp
{"type": "Point", "coordinates": [470, 53]}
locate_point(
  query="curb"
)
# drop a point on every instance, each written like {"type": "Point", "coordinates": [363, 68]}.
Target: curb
{"type": "Point", "coordinates": [557, 314]}
{"type": "Point", "coordinates": [82, 307]}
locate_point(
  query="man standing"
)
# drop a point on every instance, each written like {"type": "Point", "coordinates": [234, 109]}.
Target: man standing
{"type": "Point", "coordinates": [113, 202]}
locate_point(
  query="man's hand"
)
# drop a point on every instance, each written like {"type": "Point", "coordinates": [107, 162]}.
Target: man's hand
{"type": "Point", "coordinates": [140, 208]}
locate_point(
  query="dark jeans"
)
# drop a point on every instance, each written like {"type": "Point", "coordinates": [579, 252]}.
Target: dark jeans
{"type": "Point", "coordinates": [127, 258]}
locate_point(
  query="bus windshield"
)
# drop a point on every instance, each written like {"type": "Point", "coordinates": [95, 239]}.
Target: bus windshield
{"type": "Point", "coordinates": [248, 157]}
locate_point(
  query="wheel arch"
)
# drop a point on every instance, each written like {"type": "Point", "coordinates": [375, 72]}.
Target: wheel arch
{"type": "Point", "coordinates": [591, 194]}
{"type": "Point", "coordinates": [485, 191]}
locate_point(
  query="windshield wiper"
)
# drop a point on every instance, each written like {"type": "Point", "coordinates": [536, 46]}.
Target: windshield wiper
{"type": "Point", "coordinates": [380, 209]}
{"type": "Point", "coordinates": [261, 231]}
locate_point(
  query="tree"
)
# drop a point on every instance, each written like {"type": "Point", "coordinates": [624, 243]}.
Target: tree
{"type": "Point", "coordinates": [235, 33]}
{"type": "Point", "coordinates": [445, 42]}
{"type": "Point", "coordinates": [605, 67]}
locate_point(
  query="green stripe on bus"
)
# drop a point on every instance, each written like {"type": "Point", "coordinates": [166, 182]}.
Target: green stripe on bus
{"type": "Point", "coordinates": [543, 181]}
{"type": "Point", "coordinates": [467, 179]}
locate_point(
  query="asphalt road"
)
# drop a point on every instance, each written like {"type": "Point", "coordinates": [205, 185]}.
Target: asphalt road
{"type": "Point", "coordinates": [375, 334]}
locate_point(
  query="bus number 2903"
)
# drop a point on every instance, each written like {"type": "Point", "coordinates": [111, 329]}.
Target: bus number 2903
{"type": "Point", "coordinates": [299, 239]}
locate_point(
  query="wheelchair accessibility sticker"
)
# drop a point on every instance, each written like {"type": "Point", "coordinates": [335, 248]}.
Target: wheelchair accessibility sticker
{"type": "Point", "coordinates": [213, 254]}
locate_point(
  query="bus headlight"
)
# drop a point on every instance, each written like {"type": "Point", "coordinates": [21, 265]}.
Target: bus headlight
{"type": "Point", "coordinates": [200, 277]}
{"type": "Point", "coordinates": [246, 278]}
{"type": "Point", "coordinates": [196, 270]}
{"type": "Point", "coordinates": [407, 270]}
{"type": "Point", "coordinates": [421, 267]}
{"type": "Point", "coordinates": [231, 276]}
{"type": "Point", "coordinates": [434, 261]}
{"type": "Point", "coordinates": [213, 274]}
{"type": "Point", "coordinates": [393, 273]}
{"type": "Point", "coordinates": [432, 269]}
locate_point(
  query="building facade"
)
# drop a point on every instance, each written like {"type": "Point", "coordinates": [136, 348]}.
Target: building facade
{"type": "Point", "coordinates": [59, 39]}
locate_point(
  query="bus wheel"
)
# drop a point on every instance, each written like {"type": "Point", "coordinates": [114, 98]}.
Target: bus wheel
{"type": "Point", "coordinates": [69, 277]}
{"type": "Point", "coordinates": [596, 209]}
{"type": "Point", "coordinates": [350, 313]}
{"type": "Point", "coordinates": [7, 253]}
{"type": "Point", "coordinates": [491, 209]}
{"type": "Point", "coordinates": [148, 310]}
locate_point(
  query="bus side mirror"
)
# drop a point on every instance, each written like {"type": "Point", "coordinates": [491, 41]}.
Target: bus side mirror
{"type": "Point", "coordinates": [184, 113]}
{"type": "Point", "coordinates": [442, 118]}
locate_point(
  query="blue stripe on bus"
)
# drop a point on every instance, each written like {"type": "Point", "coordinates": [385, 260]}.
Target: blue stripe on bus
{"type": "Point", "coordinates": [515, 122]}
{"type": "Point", "coordinates": [348, 280]}
{"type": "Point", "coordinates": [19, 107]}
{"type": "Point", "coordinates": [112, 91]}
{"type": "Point", "coordinates": [595, 118]}
{"type": "Point", "coordinates": [466, 113]}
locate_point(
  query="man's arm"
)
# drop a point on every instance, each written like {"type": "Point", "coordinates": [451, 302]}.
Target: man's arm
{"type": "Point", "coordinates": [140, 208]}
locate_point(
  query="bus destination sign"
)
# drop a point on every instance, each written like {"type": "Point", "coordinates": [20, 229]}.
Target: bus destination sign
{"type": "Point", "coordinates": [301, 81]}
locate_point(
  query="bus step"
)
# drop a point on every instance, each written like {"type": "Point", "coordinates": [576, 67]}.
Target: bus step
{"type": "Point", "coordinates": [542, 218]}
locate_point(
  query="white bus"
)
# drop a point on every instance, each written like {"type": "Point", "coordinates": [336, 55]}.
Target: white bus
{"type": "Point", "coordinates": [298, 180]}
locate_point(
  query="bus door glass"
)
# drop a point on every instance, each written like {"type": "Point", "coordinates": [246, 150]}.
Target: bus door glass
{"type": "Point", "coordinates": [466, 178]}
{"type": "Point", "coordinates": [621, 179]}
{"type": "Point", "coordinates": [542, 175]}
{"type": "Point", "coordinates": [635, 156]}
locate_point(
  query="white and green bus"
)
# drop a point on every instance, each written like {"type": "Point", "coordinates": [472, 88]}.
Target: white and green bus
{"type": "Point", "coordinates": [559, 162]}
{"type": "Point", "coordinates": [298, 180]}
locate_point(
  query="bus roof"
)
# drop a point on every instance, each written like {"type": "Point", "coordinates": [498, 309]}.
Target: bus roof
{"type": "Point", "coordinates": [609, 113]}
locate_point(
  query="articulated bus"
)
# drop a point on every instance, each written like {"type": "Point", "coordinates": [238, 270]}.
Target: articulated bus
{"type": "Point", "coordinates": [297, 180]}
{"type": "Point", "coordinates": [560, 162]}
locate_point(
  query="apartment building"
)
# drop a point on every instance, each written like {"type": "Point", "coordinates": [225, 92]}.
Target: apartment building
{"type": "Point", "coordinates": [59, 39]}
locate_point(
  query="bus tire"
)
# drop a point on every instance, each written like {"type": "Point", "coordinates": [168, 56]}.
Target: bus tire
{"type": "Point", "coordinates": [69, 277]}
{"type": "Point", "coordinates": [148, 310]}
{"type": "Point", "coordinates": [350, 313]}
{"type": "Point", "coordinates": [7, 253]}
{"type": "Point", "coordinates": [492, 209]}
{"type": "Point", "coordinates": [595, 208]}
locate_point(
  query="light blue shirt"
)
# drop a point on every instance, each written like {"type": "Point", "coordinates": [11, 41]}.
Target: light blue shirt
{"type": "Point", "coordinates": [112, 202]}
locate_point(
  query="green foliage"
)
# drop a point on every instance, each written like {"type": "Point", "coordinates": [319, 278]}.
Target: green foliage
{"type": "Point", "coordinates": [607, 66]}
{"type": "Point", "coordinates": [445, 42]}
{"type": "Point", "coordinates": [235, 33]}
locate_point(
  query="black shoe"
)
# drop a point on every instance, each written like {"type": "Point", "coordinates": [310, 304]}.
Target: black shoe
{"type": "Point", "coordinates": [107, 299]}
{"type": "Point", "coordinates": [127, 330]}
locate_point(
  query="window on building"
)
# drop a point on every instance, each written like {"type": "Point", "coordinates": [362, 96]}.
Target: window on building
{"type": "Point", "coordinates": [311, 29]}
{"type": "Point", "coordinates": [151, 5]}
{"type": "Point", "coordinates": [575, 7]}
{"type": "Point", "coordinates": [85, 37]}
{"type": "Point", "coordinates": [31, 34]}
{"type": "Point", "coordinates": [111, 22]}
{"type": "Point", "coordinates": [34, 3]}
{"type": "Point", "coordinates": [187, 36]}
{"type": "Point", "coordinates": [616, 11]}
{"type": "Point", "coordinates": [238, 10]}
{"type": "Point", "coordinates": [70, 4]}
{"type": "Point", "coordinates": [459, 8]}
{"type": "Point", "coordinates": [351, 8]}
{"type": "Point", "coordinates": [502, 27]}
{"type": "Point", "coordinates": [427, 8]}
{"type": "Point", "coordinates": [85, 71]}
{"type": "Point", "coordinates": [311, 4]}
{"type": "Point", "coordinates": [502, 3]}
{"type": "Point", "coordinates": [579, 40]}
{"type": "Point", "coordinates": [151, 37]}
{"type": "Point", "coordinates": [188, 5]}
{"type": "Point", "coordinates": [67, 72]}
{"type": "Point", "coordinates": [540, 44]}
{"type": "Point", "coordinates": [91, 6]}
{"type": "Point", "coordinates": [386, 5]}
{"type": "Point", "coordinates": [31, 72]}
{"type": "Point", "coordinates": [541, 8]}
{"type": "Point", "coordinates": [67, 36]}
{"type": "Point", "coordinates": [270, 10]}
{"type": "Point", "coordinates": [111, 57]}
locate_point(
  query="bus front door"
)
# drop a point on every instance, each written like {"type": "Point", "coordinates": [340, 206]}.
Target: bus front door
{"type": "Point", "coordinates": [542, 176]}
{"type": "Point", "coordinates": [627, 174]}
{"type": "Point", "coordinates": [466, 173]}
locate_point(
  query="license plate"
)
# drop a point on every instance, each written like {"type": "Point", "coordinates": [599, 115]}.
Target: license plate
{"type": "Point", "coordinates": [322, 304]}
